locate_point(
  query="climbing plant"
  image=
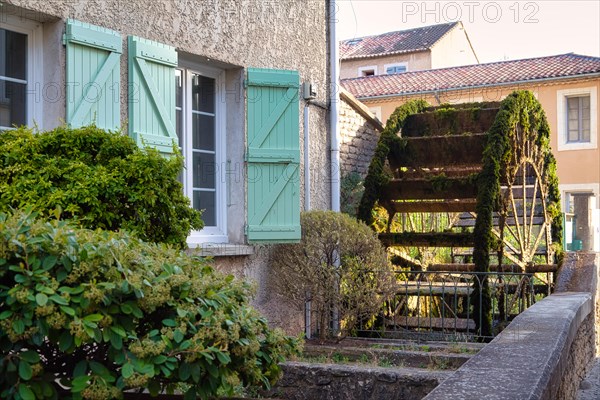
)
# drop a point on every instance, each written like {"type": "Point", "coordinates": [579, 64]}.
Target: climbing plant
{"type": "Point", "coordinates": [378, 176]}
{"type": "Point", "coordinates": [520, 117]}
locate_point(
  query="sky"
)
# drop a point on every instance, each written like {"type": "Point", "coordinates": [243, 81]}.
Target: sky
{"type": "Point", "coordinates": [498, 30]}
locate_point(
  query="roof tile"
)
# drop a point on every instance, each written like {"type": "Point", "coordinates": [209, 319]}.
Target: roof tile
{"type": "Point", "coordinates": [407, 41]}
{"type": "Point", "coordinates": [530, 69]}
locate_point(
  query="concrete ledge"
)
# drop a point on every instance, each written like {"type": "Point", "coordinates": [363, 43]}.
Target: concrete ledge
{"type": "Point", "coordinates": [528, 359]}
{"type": "Point", "coordinates": [221, 250]}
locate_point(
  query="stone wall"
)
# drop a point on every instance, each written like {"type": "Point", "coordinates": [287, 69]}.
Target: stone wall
{"type": "Point", "coordinates": [545, 352]}
{"type": "Point", "coordinates": [346, 382]}
{"type": "Point", "coordinates": [359, 130]}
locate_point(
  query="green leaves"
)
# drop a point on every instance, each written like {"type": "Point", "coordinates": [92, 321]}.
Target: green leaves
{"type": "Point", "coordinates": [101, 178]}
{"type": "Point", "coordinates": [128, 313]}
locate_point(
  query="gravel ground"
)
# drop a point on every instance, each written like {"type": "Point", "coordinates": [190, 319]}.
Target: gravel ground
{"type": "Point", "coordinates": [590, 387]}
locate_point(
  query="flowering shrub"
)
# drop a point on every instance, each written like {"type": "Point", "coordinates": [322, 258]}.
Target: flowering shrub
{"type": "Point", "coordinates": [101, 312]}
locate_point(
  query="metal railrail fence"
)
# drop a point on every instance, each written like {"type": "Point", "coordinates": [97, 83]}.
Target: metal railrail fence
{"type": "Point", "coordinates": [430, 305]}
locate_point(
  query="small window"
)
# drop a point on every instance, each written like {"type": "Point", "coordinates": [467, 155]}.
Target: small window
{"type": "Point", "coordinates": [13, 78]}
{"type": "Point", "coordinates": [578, 119]}
{"type": "Point", "coordinates": [370, 70]}
{"type": "Point", "coordinates": [399, 68]}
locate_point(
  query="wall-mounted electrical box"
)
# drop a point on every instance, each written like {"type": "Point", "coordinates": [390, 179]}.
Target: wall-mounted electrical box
{"type": "Point", "coordinates": [309, 91]}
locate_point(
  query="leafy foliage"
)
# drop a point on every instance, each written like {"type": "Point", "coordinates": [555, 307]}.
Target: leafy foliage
{"type": "Point", "coordinates": [339, 264]}
{"type": "Point", "coordinates": [100, 178]}
{"type": "Point", "coordinates": [351, 187]}
{"type": "Point", "coordinates": [378, 176]}
{"type": "Point", "coordinates": [102, 312]}
{"type": "Point", "coordinates": [520, 115]}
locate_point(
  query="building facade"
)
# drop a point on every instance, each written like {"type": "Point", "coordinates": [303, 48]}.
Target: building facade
{"type": "Point", "coordinates": [219, 78]}
{"type": "Point", "coordinates": [567, 87]}
{"type": "Point", "coordinates": [435, 46]}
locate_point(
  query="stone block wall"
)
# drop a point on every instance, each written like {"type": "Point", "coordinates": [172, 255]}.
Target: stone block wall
{"type": "Point", "coordinates": [359, 130]}
{"type": "Point", "coordinates": [346, 382]}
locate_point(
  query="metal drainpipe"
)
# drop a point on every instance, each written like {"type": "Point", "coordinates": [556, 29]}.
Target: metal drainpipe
{"type": "Point", "coordinates": [307, 304]}
{"type": "Point", "coordinates": [335, 129]}
{"type": "Point", "coordinates": [306, 157]}
{"type": "Point", "coordinates": [334, 101]}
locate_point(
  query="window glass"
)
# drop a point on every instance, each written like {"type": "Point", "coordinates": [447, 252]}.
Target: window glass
{"type": "Point", "coordinates": [196, 127]}
{"type": "Point", "coordinates": [396, 69]}
{"type": "Point", "coordinates": [13, 78]}
{"type": "Point", "coordinates": [578, 119]}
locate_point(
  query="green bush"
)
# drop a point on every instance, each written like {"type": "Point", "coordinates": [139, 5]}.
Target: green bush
{"type": "Point", "coordinates": [340, 265]}
{"type": "Point", "coordinates": [100, 178]}
{"type": "Point", "coordinates": [102, 312]}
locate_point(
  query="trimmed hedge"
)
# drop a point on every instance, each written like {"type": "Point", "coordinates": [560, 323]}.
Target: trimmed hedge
{"type": "Point", "coordinates": [102, 312]}
{"type": "Point", "coordinates": [102, 179]}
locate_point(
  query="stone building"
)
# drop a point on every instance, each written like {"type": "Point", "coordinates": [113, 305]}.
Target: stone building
{"type": "Point", "coordinates": [221, 78]}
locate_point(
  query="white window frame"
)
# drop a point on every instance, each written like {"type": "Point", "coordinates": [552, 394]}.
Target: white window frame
{"type": "Point", "coordinates": [218, 233]}
{"type": "Point", "coordinates": [561, 113]}
{"type": "Point", "coordinates": [368, 68]}
{"type": "Point", "coordinates": [402, 64]}
{"type": "Point", "coordinates": [35, 65]}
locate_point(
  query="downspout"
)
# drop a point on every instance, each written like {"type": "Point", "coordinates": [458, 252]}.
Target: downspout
{"type": "Point", "coordinates": [334, 101]}
{"type": "Point", "coordinates": [307, 303]}
{"type": "Point", "coordinates": [306, 157]}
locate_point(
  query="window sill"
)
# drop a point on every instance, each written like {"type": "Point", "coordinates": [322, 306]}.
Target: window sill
{"type": "Point", "coordinates": [221, 249]}
{"type": "Point", "coordinates": [577, 146]}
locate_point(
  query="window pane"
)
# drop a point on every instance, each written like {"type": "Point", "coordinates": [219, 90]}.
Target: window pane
{"type": "Point", "coordinates": [205, 170]}
{"type": "Point", "coordinates": [573, 103]}
{"type": "Point", "coordinates": [204, 132]}
{"type": "Point", "coordinates": [585, 135]}
{"type": "Point", "coordinates": [573, 135]}
{"type": "Point", "coordinates": [178, 88]}
{"type": "Point", "coordinates": [12, 104]}
{"type": "Point", "coordinates": [206, 201]}
{"type": "Point", "coordinates": [203, 94]}
{"type": "Point", "coordinates": [585, 101]}
{"type": "Point", "coordinates": [13, 54]}
{"type": "Point", "coordinates": [178, 126]}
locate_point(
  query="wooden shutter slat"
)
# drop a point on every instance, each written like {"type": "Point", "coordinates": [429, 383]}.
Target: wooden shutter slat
{"type": "Point", "coordinates": [152, 94]}
{"type": "Point", "coordinates": [276, 114]}
{"type": "Point", "coordinates": [273, 156]}
{"type": "Point", "coordinates": [93, 68]}
{"type": "Point", "coordinates": [274, 194]}
{"type": "Point", "coordinates": [100, 79]}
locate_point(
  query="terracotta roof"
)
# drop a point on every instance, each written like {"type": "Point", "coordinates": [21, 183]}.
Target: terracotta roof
{"type": "Point", "coordinates": [407, 41]}
{"type": "Point", "coordinates": [490, 74]}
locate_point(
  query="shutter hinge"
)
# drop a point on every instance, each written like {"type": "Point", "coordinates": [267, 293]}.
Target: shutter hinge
{"type": "Point", "coordinates": [245, 83]}
{"type": "Point", "coordinates": [64, 39]}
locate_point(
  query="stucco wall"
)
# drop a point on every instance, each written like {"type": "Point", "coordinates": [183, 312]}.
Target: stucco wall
{"type": "Point", "coordinates": [228, 34]}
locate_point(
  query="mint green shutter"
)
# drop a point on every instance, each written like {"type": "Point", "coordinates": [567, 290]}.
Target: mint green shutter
{"type": "Point", "coordinates": [152, 94]}
{"type": "Point", "coordinates": [93, 75]}
{"type": "Point", "coordinates": [273, 156]}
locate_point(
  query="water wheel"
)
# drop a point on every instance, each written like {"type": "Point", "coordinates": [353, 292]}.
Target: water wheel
{"type": "Point", "coordinates": [481, 177]}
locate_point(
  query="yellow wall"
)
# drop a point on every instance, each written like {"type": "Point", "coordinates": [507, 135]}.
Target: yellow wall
{"type": "Point", "coordinates": [452, 50]}
{"type": "Point", "coordinates": [416, 61]}
{"type": "Point", "coordinates": [578, 170]}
